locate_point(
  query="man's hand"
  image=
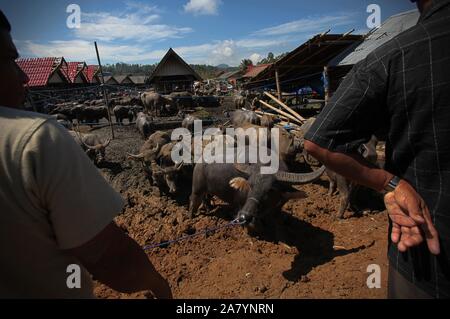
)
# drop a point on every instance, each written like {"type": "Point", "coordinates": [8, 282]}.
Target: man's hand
{"type": "Point", "coordinates": [411, 219]}
{"type": "Point", "coordinates": [118, 261]}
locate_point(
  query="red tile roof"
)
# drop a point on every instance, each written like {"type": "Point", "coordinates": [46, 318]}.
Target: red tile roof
{"type": "Point", "coordinates": [39, 70]}
{"type": "Point", "coordinates": [73, 68]}
{"type": "Point", "coordinates": [255, 70]}
{"type": "Point", "coordinates": [91, 71]}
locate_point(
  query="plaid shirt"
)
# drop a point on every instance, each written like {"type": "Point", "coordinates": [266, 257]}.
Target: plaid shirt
{"type": "Point", "coordinates": [403, 89]}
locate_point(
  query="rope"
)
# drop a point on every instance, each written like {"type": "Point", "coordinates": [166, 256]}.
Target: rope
{"type": "Point", "coordinates": [233, 223]}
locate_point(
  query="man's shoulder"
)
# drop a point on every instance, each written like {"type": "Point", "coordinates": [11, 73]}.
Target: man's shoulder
{"type": "Point", "coordinates": [21, 120]}
{"type": "Point", "coordinates": [392, 49]}
{"type": "Point", "coordinates": [20, 127]}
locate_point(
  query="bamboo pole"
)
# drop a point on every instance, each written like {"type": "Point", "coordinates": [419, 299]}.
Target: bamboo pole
{"type": "Point", "coordinates": [301, 119]}
{"type": "Point", "coordinates": [273, 115]}
{"type": "Point", "coordinates": [105, 95]}
{"type": "Point", "coordinates": [280, 112]}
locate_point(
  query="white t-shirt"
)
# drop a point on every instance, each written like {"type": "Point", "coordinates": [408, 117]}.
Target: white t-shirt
{"type": "Point", "coordinates": [52, 198]}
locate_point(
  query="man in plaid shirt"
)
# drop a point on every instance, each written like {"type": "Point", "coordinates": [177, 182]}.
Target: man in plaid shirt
{"type": "Point", "coordinates": [402, 88]}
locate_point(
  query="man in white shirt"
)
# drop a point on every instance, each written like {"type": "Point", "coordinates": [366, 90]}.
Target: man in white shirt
{"type": "Point", "coordinates": [56, 210]}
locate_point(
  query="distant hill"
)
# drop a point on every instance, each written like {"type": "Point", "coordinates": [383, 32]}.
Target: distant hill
{"type": "Point", "coordinates": [223, 66]}
{"type": "Point", "coordinates": [205, 71]}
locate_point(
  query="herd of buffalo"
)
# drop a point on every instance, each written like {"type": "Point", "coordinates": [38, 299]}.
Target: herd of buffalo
{"type": "Point", "coordinates": [252, 194]}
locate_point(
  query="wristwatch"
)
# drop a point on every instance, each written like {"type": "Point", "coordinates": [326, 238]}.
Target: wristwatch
{"type": "Point", "coordinates": [393, 183]}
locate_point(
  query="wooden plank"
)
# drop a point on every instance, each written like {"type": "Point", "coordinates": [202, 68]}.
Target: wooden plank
{"type": "Point", "coordinates": [299, 118]}
{"type": "Point", "coordinates": [281, 112]}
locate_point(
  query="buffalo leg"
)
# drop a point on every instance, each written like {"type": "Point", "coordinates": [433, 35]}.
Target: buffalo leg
{"type": "Point", "coordinates": [194, 204]}
{"type": "Point", "coordinates": [344, 189]}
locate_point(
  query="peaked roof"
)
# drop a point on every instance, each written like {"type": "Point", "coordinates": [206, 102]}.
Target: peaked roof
{"type": "Point", "coordinates": [40, 70]}
{"type": "Point", "coordinates": [172, 54]}
{"type": "Point", "coordinates": [254, 70]}
{"type": "Point", "coordinates": [138, 79]}
{"type": "Point", "coordinates": [109, 78]}
{"type": "Point", "coordinates": [230, 74]}
{"type": "Point", "coordinates": [75, 69]}
{"type": "Point", "coordinates": [91, 72]}
{"type": "Point", "coordinates": [122, 78]}
{"type": "Point", "coordinates": [390, 28]}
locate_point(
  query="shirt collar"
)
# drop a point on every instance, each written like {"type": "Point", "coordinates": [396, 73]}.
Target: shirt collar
{"type": "Point", "coordinates": [435, 7]}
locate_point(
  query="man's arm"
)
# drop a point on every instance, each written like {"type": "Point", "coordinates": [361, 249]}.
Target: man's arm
{"type": "Point", "coordinates": [406, 208]}
{"type": "Point", "coordinates": [121, 263]}
{"type": "Point", "coordinates": [352, 166]}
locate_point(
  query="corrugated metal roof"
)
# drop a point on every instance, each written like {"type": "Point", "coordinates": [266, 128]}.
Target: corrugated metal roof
{"type": "Point", "coordinates": [392, 27]}
{"type": "Point", "coordinates": [39, 70]}
{"type": "Point", "coordinates": [307, 60]}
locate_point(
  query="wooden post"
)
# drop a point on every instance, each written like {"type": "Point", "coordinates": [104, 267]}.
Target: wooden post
{"type": "Point", "coordinates": [277, 80]}
{"type": "Point", "coordinates": [287, 108]}
{"type": "Point", "coordinates": [105, 94]}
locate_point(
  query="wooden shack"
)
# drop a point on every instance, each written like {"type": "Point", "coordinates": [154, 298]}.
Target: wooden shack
{"type": "Point", "coordinates": [173, 74]}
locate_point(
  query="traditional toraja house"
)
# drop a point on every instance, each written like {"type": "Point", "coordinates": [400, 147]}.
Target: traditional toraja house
{"type": "Point", "coordinates": [123, 79]}
{"type": "Point", "coordinates": [93, 74]}
{"type": "Point", "coordinates": [111, 80]}
{"type": "Point", "coordinates": [77, 72]}
{"type": "Point", "coordinates": [343, 63]}
{"type": "Point", "coordinates": [173, 74]}
{"type": "Point", "coordinates": [45, 72]}
{"type": "Point", "coordinates": [138, 80]}
{"type": "Point", "coordinates": [304, 65]}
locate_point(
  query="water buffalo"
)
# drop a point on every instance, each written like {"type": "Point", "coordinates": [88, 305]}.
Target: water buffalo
{"type": "Point", "coordinates": [164, 171]}
{"type": "Point", "coordinates": [93, 114]}
{"type": "Point", "coordinates": [122, 112]}
{"type": "Point", "coordinates": [241, 117]}
{"type": "Point", "coordinates": [188, 122]}
{"type": "Point", "coordinates": [144, 124]}
{"type": "Point", "coordinates": [239, 102]}
{"type": "Point", "coordinates": [92, 145]}
{"type": "Point", "coordinates": [150, 150]}
{"type": "Point", "coordinates": [245, 188]}
{"type": "Point", "coordinates": [154, 103]}
{"type": "Point", "coordinates": [346, 187]}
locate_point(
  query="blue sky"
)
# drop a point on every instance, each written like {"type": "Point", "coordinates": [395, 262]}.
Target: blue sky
{"type": "Point", "coordinates": [201, 31]}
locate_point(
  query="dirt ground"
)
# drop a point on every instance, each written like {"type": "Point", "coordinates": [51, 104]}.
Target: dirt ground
{"type": "Point", "coordinates": [307, 253]}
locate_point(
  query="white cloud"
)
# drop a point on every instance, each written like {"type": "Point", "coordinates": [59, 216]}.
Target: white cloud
{"type": "Point", "coordinates": [313, 24]}
{"type": "Point", "coordinates": [203, 7]}
{"type": "Point", "coordinates": [81, 50]}
{"type": "Point", "coordinates": [138, 23]}
{"type": "Point", "coordinates": [255, 57]}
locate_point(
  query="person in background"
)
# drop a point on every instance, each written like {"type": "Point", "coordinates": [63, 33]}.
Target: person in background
{"type": "Point", "coordinates": [56, 210]}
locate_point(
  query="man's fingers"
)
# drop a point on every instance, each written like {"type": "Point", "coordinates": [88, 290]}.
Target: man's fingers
{"type": "Point", "coordinates": [396, 214]}
{"type": "Point", "coordinates": [395, 233]}
{"type": "Point", "coordinates": [408, 199]}
{"type": "Point", "coordinates": [413, 238]}
{"type": "Point", "coordinates": [431, 234]}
